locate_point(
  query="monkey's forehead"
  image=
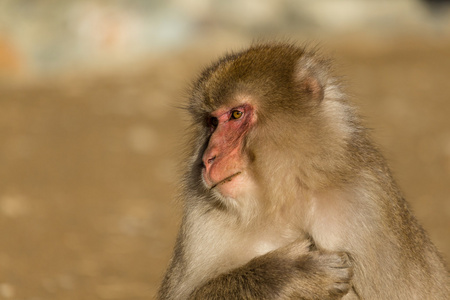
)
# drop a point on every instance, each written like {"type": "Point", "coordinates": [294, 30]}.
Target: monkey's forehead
{"type": "Point", "coordinates": [261, 70]}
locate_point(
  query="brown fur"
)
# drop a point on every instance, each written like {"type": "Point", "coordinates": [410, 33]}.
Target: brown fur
{"type": "Point", "coordinates": [314, 174]}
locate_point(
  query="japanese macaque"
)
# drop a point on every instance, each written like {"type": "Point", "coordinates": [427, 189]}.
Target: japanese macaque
{"type": "Point", "coordinates": [285, 195]}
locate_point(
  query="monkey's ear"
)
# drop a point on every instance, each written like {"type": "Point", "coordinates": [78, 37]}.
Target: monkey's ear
{"type": "Point", "coordinates": [311, 77]}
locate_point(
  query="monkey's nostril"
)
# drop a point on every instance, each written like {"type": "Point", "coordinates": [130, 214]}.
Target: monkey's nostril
{"type": "Point", "coordinates": [211, 160]}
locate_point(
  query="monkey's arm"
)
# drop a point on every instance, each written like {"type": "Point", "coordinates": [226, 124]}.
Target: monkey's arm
{"type": "Point", "coordinates": [283, 274]}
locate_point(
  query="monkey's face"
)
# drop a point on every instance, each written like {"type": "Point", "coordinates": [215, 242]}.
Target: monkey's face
{"type": "Point", "coordinates": [267, 125]}
{"type": "Point", "coordinates": [225, 166]}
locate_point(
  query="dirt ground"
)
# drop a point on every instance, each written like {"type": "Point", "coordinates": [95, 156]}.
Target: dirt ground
{"type": "Point", "coordinates": [88, 165]}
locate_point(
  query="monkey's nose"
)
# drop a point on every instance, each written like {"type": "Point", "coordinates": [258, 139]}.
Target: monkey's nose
{"type": "Point", "coordinates": [208, 161]}
{"type": "Point", "coordinates": [208, 158]}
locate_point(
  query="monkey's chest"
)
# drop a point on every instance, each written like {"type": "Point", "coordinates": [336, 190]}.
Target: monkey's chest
{"type": "Point", "coordinates": [240, 252]}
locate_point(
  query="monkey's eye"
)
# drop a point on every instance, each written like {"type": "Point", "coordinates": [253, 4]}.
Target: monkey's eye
{"type": "Point", "coordinates": [236, 114]}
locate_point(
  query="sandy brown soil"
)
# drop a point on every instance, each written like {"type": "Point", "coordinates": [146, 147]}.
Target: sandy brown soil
{"type": "Point", "coordinates": [88, 166]}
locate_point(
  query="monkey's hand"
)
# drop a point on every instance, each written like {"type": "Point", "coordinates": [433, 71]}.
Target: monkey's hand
{"type": "Point", "coordinates": [291, 272]}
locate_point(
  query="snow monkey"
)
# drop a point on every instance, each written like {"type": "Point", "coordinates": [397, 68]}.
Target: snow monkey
{"type": "Point", "coordinates": [286, 196]}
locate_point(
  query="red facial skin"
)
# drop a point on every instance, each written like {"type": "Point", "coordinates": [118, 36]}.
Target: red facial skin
{"type": "Point", "coordinates": [223, 159]}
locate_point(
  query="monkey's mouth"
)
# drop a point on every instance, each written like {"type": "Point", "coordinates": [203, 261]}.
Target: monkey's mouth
{"type": "Point", "coordinates": [229, 178]}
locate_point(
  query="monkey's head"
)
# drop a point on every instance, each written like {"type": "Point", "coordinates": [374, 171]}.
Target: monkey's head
{"type": "Point", "coordinates": [270, 116]}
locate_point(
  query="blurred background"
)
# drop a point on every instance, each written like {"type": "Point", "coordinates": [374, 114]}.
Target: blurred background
{"type": "Point", "coordinates": [90, 133]}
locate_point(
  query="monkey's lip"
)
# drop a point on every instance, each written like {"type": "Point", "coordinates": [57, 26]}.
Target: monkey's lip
{"type": "Point", "coordinates": [227, 179]}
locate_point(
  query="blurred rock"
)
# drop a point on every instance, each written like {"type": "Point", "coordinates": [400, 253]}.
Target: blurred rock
{"type": "Point", "coordinates": [13, 206]}
{"type": "Point", "coordinates": [142, 139]}
{"type": "Point", "coordinates": [66, 281]}
{"type": "Point", "coordinates": [11, 61]}
{"type": "Point", "coordinates": [121, 290]}
{"type": "Point", "coordinates": [7, 291]}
